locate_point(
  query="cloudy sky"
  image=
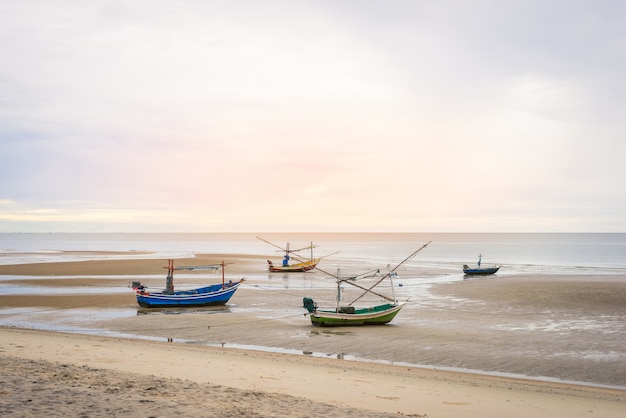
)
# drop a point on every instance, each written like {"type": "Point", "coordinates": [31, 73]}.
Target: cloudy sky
{"type": "Point", "coordinates": [326, 115]}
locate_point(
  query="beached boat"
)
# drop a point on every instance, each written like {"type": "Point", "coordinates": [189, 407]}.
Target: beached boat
{"type": "Point", "coordinates": [301, 265]}
{"type": "Point", "coordinates": [289, 268]}
{"type": "Point", "coordinates": [350, 315]}
{"type": "Point", "coordinates": [216, 294]}
{"type": "Point", "coordinates": [478, 270]}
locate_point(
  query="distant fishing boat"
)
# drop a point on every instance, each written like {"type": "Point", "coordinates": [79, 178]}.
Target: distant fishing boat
{"type": "Point", "coordinates": [351, 316]}
{"type": "Point", "coordinates": [290, 268]}
{"type": "Point", "coordinates": [480, 271]}
{"type": "Point", "coordinates": [302, 264]}
{"type": "Point", "coordinates": [216, 294]}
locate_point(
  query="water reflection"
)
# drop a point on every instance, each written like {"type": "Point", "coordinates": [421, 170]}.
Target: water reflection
{"type": "Point", "coordinates": [184, 310]}
{"type": "Point", "coordinates": [14, 290]}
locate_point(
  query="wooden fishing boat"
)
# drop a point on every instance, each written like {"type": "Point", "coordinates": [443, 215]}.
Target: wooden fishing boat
{"type": "Point", "coordinates": [290, 268]}
{"type": "Point", "coordinates": [480, 271]}
{"type": "Point", "coordinates": [212, 295]}
{"type": "Point", "coordinates": [350, 315]}
{"type": "Point", "coordinates": [302, 264]}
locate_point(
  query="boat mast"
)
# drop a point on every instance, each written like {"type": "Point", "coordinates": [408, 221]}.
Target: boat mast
{"type": "Point", "coordinates": [338, 288]}
{"type": "Point", "coordinates": [391, 274]}
{"type": "Point", "coordinates": [169, 281]}
{"type": "Point", "coordinates": [286, 259]}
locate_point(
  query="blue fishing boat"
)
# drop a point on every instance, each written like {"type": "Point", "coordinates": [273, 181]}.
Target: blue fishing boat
{"type": "Point", "coordinates": [480, 271]}
{"type": "Point", "coordinates": [212, 295]}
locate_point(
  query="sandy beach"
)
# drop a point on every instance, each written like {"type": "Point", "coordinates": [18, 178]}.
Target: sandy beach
{"type": "Point", "coordinates": [60, 373]}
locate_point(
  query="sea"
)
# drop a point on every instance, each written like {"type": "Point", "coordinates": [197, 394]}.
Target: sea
{"type": "Point", "coordinates": [520, 252]}
{"type": "Point", "coordinates": [572, 345]}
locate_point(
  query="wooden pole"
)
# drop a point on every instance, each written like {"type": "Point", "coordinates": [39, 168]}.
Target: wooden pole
{"type": "Point", "coordinates": [390, 271]}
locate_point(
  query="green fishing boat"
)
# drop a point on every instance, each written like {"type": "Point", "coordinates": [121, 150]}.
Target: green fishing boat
{"type": "Point", "coordinates": [349, 315]}
{"type": "Point", "coordinates": [375, 315]}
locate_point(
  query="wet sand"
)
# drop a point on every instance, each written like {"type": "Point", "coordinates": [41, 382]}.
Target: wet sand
{"type": "Point", "coordinates": [474, 332]}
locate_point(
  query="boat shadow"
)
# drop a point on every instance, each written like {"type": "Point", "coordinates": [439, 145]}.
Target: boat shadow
{"type": "Point", "coordinates": [479, 276]}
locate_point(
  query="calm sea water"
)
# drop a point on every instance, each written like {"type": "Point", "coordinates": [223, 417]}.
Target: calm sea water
{"type": "Point", "coordinates": [547, 253]}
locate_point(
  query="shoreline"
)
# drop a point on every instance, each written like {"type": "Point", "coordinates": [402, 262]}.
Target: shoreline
{"type": "Point", "coordinates": [380, 388]}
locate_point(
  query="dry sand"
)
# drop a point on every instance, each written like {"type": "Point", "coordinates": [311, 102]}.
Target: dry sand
{"type": "Point", "coordinates": [54, 374]}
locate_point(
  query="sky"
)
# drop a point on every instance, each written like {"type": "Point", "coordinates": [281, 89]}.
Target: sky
{"type": "Point", "coordinates": [320, 116]}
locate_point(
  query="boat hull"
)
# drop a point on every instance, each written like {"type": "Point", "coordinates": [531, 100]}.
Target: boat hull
{"type": "Point", "coordinates": [204, 296]}
{"type": "Point", "coordinates": [294, 268]}
{"type": "Point", "coordinates": [480, 272]}
{"type": "Point", "coordinates": [377, 315]}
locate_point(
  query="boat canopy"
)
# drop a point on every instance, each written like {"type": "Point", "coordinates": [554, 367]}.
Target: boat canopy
{"type": "Point", "coordinates": [309, 304]}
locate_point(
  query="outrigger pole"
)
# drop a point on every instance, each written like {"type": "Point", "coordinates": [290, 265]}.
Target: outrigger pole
{"type": "Point", "coordinates": [293, 253]}
{"type": "Point", "coordinates": [169, 282]}
{"type": "Point", "coordinates": [360, 276]}
{"type": "Point", "coordinates": [389, 275]}
{"type": "Point", "coordinates": [349, 281]}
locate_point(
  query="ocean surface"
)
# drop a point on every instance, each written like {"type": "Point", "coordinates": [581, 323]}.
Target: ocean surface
{"type": "Point", "coordinates": [568, 343]}
{"type": "Point", "coordinates": [550, 252]}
